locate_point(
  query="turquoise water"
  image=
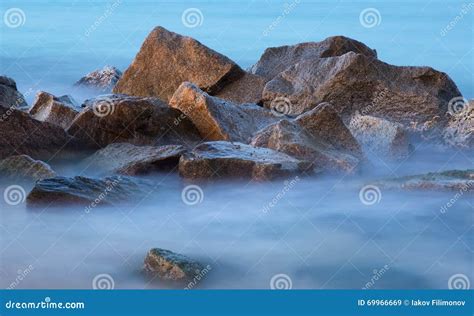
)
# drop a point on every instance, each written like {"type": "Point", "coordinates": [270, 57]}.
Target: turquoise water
{"type": "Point", "coordinates": [62, 40]}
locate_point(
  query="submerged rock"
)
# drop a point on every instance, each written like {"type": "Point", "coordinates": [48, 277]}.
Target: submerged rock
{"type": "Point", "coordinates": [59, 111]}
{"type": "Point", "coordinates": [130, 160]}
{"type": "Point", "coordinates": [382, 138]}
{"type": "Point", "coordinates": [24, 167]}
{"type": "Point", "coordinates": [83, 191]}
{"type": "Point", "coordinates": [459, 131]}
{"type": "Point", "coordinates": [103, 79]}
{"type": "Point", "coordinates": [277, 59]}
{"type": "Point", "coordinates": [167, 265]}
{"type": "Point", "coordinates": [124, 119]}
{"type": "Point", "coordinates": [10, 97]}
{"type": "Point", "coordinates": [222, 159]}
{"type": "Point", "coordinates": [458, 180]}
{"type": "Point", "coordinates": [218, 119]}
{"type": "Point", "coordinates": [167, 59]}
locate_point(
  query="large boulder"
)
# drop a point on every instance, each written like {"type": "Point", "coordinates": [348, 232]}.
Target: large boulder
{"type": "Point", "coordinates": [169, 266]}
{"type": "Point", "coordinates": [24, 167]}
{"type": "Point", "coordinates": [59, 111]}
{"type": "Point", "coordinates": [218, 119]}
{"type": "Point", "coordinates": [277, 59]}
{"type": "Point", "coordinates": [247, 89]}
{"type": "Point", "coordinates": [222, 159]}
{"type": "Point", "coordinates": [22, 134]}
{"type": "Point", "coordinates": [125, 119]}
{"type": "Point", "coordinates": [167, 59]}
{"type": "Point", "coordinates": [10, 97]}
{"type": "Point", "coordinates": [83, 191]}
{"type": "Point", "coordinates": [103, 79]}
{"type": "Point", "coordinates": [380, 137]}
{"type": "Point", "coordinates": [459, 131]}
{"type": "Point", "coordinates": [416, 97]}
{"type": "Point", "coordinates": [128, 159]}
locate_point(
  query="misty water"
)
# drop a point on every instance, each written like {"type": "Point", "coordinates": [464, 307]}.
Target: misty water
{"type": "Point", "coordinates": [319, 233]}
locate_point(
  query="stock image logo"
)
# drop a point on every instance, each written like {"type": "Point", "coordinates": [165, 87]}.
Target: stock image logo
{"type": "Point", "coordinates": [103, 281]}
{"type": "Point", "coordinates": [103, 108]}
{"type": "Point", "coordinates": [14, 17]}
{"type": "Point", "coordinates": [281, 106]}
{"type": "Point", "coordinates": [192, 17]}
{"type": "Point", "coordinates": [192, 195]}
{"type": "Point", "coordinates": [281, 281]}
{"type": "Point", "coordinates": [14, 195]}
{"type": "Point", "coordinates": [370, 195]}
{"type": "Point", "coordinates": [459, 282]}
{"type": "Point", "coordinates": [370, 18]}
{"type": "Point", "coordinates": [457, 105]}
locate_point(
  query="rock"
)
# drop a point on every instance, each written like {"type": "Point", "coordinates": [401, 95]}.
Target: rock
{"type": "Point", "coordinates": [380, 137]}
{"type": "Point", "coordinates": [222, 159]}
{"type": "Point", "coordinates": [167, 265]}
{"type": "Point", "coordinates": [59, 111]}
{"type": "Point", "coordinates": [277, 59]}
{"type": "Point", "coordinates": [218, 119]}
{"type": "Point", "coordinates": [247, 89]}
{"type": "Point", "coordinates": [459, 131]}
{"type": "Point", "coordinates": [289, 137]}
{"type": "Point", "coordinates": [83, 191]}
{"type": "Point", "coordinates": [24, 167]}
{"type": "Point", "coordinates": [416, 97]}
{"type": "Point", "coordinates": [124, 119]}
{"type": "Point", "coordinates": [103, 79]}
{"type": "Point", "coordinates": [10, 97]}
{"type": "Point", "coordinates": [452, 180]}
{"type": "Point", "coordinates": [128, 159]}
{"type": "Point", "coordinates": [21, 134]}
{"type": "Point", "coordinates": [167, 59]}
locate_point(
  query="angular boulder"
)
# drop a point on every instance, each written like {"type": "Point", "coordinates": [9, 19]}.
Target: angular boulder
{"type": "Point", "coordinates": [416, 97]}
{"type": "Point", "coordinates": [380, 137]}
{"type": "Point", "coordinates": [277, 59]}
{"type": "Point", "coordinates": [459, 131]}
{"type": "Point", "coordinates": [167, 59]}
{"type": "Point", "coordinates": [103, 79]}
{"type": "Point", "coordinates": [169, 266]}
{"type": "Point", "coordinates": [247, 89]}
{"type": "Point", "coordinates": [218, 119]}
{"type": "Point", "coordinates": [59, 111]}
{"type": "Point", "coordinates": [83, 191]}
{"type": "Point", "coordinates": [128, 159]}
{"type": "Point", "coordinates": [24, 167]}
{"type": "Point", "coordinates": [124, 119]}
{"type": "Point", "coordinates": [10, 97]}
{"type": "Point", "coordinates": [222, 159]}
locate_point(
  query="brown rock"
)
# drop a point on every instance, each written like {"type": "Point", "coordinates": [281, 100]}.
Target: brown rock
{"type": "Point", "coordinates": [218, 119]}
{"type": "Point", "coordinates": [459, 131]}
{"type": "Point", "coordinates": [167, 59]}
{"type": "Point", "coordinates": [103, 79]}
{"type": "Point", "coordinates": [277, 59]}
{"type": "Point", "coordinates": [247, 89]}
{"type": "Point", "coordinates": [124, 119]}
{"type": "Point", "coordinates": [235, 160]}
{"type": "Point", "coordinates": [24, 167]}
{"type": "Point", "coordinates": [59, 111]}
{"type": "Point", "coordinates": [10, 97]}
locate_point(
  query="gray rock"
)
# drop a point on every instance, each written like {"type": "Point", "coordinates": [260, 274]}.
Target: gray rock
{"type": "Point", "coordinates": [103, 79]}
{"type": "Point", "coordinates": [128, 159]}
{"type": "Point", "coordinates": [59, 111]}
{"type": "Point", "coordinates": [218, 119]}
{"type": "Point", "coordinates": [10, 97]}
{"type": "Point", "coordinates": [24, 167]}
{"type": "Point", "coordinates": [170, 266]}
{"type": "Point", "coordinates": [459, 131]}
{"type": "Point", "coordinates": [277, 59]}
{"type": "Point", "coordinates": [167, 59]}
{"type": "Point", "coordinates": [222, 159]}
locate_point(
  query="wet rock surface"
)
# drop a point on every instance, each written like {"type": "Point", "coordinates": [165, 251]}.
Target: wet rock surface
{"type": "Point", "coordinates": [103, 79]}
{"type": "Point", "coordinates": [59, 111]}
{"type": "Point", "coordinates": [23, 167]}
{"type": "Point", "coordinates": [10, 97]}
{"type": "Point", "coordinates": [222, 159]}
